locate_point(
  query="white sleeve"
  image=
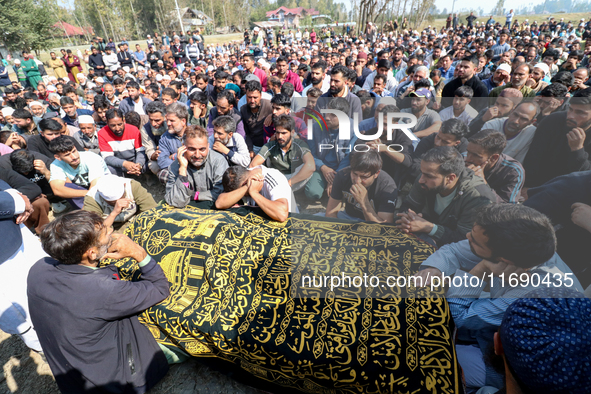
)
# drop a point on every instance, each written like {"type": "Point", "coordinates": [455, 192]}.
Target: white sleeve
{"type": "Point", "coordinates": [57, 173]}
{"type": "Point", "coordinates": [19, 203]}
{"type": "Point", "coordinates": [281, 189]}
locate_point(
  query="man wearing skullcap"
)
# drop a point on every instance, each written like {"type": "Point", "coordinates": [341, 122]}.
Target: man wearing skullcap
{"type": "Point", "coordinates": [544, 341]}
{"type": "Point", "coordinates": [86, 136]}
{"type": "Point", "coordinates": [118, 199]}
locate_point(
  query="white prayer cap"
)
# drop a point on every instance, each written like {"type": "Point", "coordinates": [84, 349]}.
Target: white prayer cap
{"type": "Point", "coordinates": [7, 111]}
{"type": "Point", "coordinates": [34, 103]}
{"type": "Point", "coordinates": [126, 69]}
{"type": "Point", "coordinates": [158, 77]}
{"type": "Point", "coordinates": [17, 61]}
{"type": "Point", "coordinates": [84, 119]}
{"type": "Point", "coordinates": [110, 187]}
{"type": "Point", "coordinates": [100, 80]}
{"type": "Point", "coordinates": [80, 76]}
{"type": "Point", "coordinates": [544, 67]}
{"type": "Point", "coordinates": [166, 77]}
{"type": "Point", "coordinates": [505, 67]}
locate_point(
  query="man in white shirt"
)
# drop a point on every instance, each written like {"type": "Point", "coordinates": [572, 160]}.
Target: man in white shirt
{"type": "Point", "coordinates": [518, 129]}
{"type": "Point", "coordinates": [460, 107]}
{"type": "Point", "coordinates": [260, 186]}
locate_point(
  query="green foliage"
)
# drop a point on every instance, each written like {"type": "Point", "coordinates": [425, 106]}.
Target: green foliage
{"type": "Point", "coordinates": [25, 24]}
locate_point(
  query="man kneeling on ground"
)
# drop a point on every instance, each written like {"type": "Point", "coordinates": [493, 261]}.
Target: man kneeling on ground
{"type": "Point", "coordinates": [118, 199]}
{"type": "Point", "coordinates": [264, 187]}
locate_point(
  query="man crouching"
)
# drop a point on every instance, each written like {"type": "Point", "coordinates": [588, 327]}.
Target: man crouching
{"type": "Point", "coordinates": [260, 186]}
{"type": "Point", "coordinates": [86, 318]}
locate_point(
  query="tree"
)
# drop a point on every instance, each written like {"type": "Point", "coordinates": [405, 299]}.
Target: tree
{"type": "Point", "coordinates": [498, 10]}
{"type": "Point", "coordinates": [25, 24]}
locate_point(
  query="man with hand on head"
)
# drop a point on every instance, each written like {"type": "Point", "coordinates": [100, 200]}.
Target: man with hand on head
{"type": "Point", "coordinates": [117, 200]}
{"type": "Point", "coordinates": [196, 174]}
{"type": "Point", "coordinates": [228, 143]}
{"type": "Point", "coordinates": [264, 187]}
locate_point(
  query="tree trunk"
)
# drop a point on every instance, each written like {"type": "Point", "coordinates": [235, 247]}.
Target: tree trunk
{"type": "Point", "coordinates": [105, 32]}
{"type": "Point", "coordinates": [212, 15]}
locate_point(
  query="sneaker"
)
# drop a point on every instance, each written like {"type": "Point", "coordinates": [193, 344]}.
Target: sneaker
{"type": "Point", "coordinates": [59, 207]}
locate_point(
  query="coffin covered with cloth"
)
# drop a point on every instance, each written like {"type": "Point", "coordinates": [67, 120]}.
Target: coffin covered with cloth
{"type": "Point", "coordinates": [257, 295]}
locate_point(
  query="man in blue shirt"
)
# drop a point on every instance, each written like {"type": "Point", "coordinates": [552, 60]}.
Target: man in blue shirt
{"type": "Point", "coordinates": [501, 46]}
{"type": "Point", "coordinates": [507, 243]}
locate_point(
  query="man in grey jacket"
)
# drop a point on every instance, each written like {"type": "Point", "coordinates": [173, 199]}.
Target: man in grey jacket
{"type": "Point", "coordinates": [196, 174]}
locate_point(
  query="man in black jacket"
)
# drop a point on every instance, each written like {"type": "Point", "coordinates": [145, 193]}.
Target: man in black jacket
{"type": "Point", "coordinates": [86, 317]}
{"type": "Point", "coordinates": [561, 144]}
{"type": "Point", "coordinates": [96, 61]}
{"type": "Point", "coordinates": [465, 71]}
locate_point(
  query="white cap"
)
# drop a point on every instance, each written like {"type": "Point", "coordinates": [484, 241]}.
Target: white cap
{"type": "Point", "coordinates": [7, 111]}
{"type": "Point", "coordinates": [505, 67]}
{"type": "Point", "coordinates": [110, 187]}
{"type": "Point", "coordinates": [85, 119]}
{"type": "Point", "coordinates": [167, 77]}
{"type": "Point", "coordinates": [80, 76]}
{"type": "Point", "coordinates": [126, 69]}
{"type": "Point", "coordinates": [544, 67]}
{"type": "Point", "coordinates": [100, 80]}
{"type": "Point", "coordinates": [17, 61]}
{"type": "Point", "coordinates": [158, 77]}
{"type": "Point", "coordinates": [33, 103]}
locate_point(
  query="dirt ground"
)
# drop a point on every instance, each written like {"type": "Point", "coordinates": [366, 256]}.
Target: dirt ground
{"type": "Point", "coordinates": [25, 372]}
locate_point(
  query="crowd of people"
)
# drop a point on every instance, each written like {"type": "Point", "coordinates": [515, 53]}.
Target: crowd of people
{"type": "Point", "coordinates": [497, 176]}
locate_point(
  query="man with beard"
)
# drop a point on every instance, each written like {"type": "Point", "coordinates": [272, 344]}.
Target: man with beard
{"type": "Point", "coordinates": [253, 115]}
{"type": "Point", "coordinates": [170, 142]}
{"type": "Point", "coordinates": [222, 78]}
{"type": "Point", "coordinates": [13, 100]}
{"type": "Point", "coordinates": [196, 174]}
{"type": "Point", "coordinates": [286, 75]}
{"type": "Point", "coordinates": [281, 105]}
{"type": "Point", "coordinates": [228, 143]}
{"type": "Point", "coordinates": [292, 157]}
{"type": "Point", "coordinates": [465, 72]}
{"type": "Point", "coordinates": [49, 129]}
{"type": "Point", "coordinates": [503, 105]}
{"type": "Point", "coordinates": [443, 200]}
{"type": "Point", "coordinates": [518, 129]}
{"type": "Point", "coordinates": [339, 76]}
{"type": "Point", "coordinates": [225, 106]}
{"type": "Point", "coordinates": [519, 77]}
{"type": "Point", "coordinates": [135, 102]}
{"type": "Point", "coordinates": [67, 294]}
{"type": "Point", "coordinates": [504, 239]}
{"type": "Point", "coordinates": [74, 172]}
{"type": "Point", "coordinates": [121, 146]}
{"type": "Point", "coordinates": [500, 77]}
{"type": "Point", "coordinates": [86, 136]}
{"type": "Point", "coordinates": [23, 122]}
{"type": "Point", "coordinates": [561, 144]}
{"type": "Point", "coordinates": [428, 121]}
{"type": "Point", "coordinates": [152, 131]}
{"type": "Point", "coordinates": [318, 78]}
